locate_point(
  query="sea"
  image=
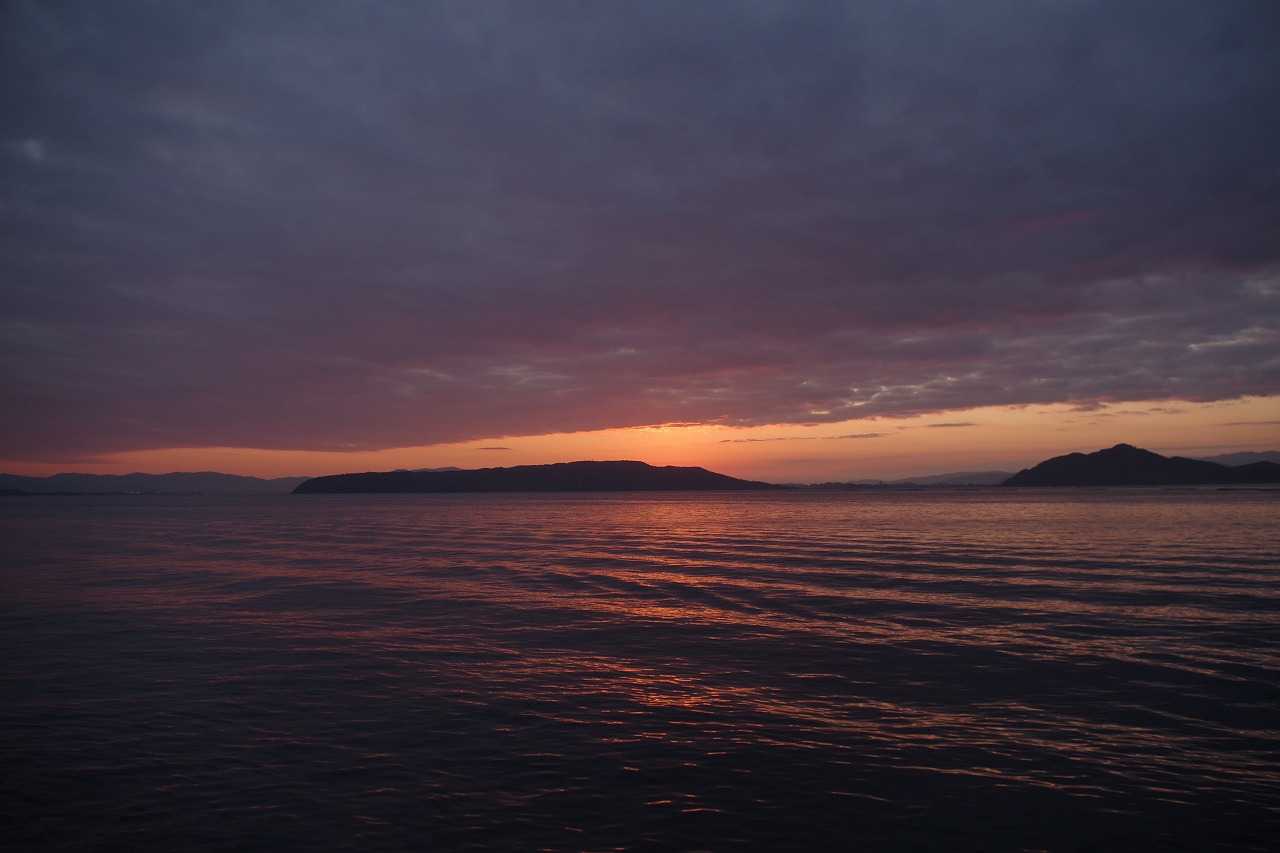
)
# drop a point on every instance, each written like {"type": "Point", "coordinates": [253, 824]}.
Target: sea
{"type": "Point", "coordinates": [946, 669]}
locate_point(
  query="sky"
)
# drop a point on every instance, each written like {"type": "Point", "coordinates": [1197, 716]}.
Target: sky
{"type": "Point", "coordinates": [789, 241]}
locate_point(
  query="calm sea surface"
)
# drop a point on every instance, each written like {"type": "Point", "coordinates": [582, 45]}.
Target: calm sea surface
{"type": "Point", "coordinates": [952, 670]}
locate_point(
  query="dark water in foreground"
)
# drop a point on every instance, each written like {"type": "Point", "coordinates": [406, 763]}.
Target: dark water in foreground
{"type": "Point", "coordinates": [953, 670]}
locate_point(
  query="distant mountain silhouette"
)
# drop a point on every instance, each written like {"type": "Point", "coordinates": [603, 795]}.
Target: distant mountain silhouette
{"type": "Point", "coordinates": [183, 482]}
{"type": "Point", "coordinates": [847, 485]}
{"type": "Point", "coordinates": [955, 478]}
{"type": "Point", "coordinates": [1126, 465]}
{"type": "Point", "coordinates": [1246, 457]}
{"type": "Point", "coordinates": [958, 478]}
{"type": "Point", "coordinates": [1257, 472]}
{"type": "Point", "coordinates": [558, 477]}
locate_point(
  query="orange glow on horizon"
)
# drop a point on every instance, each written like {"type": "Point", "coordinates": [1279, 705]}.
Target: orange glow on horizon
{"type": "Point", "coordinates": [1003, 437]}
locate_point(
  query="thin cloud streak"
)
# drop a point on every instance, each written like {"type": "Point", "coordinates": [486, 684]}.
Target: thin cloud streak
{"type": "Point", "coordinates": [855, 435]}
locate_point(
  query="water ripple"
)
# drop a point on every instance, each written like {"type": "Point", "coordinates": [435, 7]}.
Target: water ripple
{"type": "Point", "coordinates": [985, 669]}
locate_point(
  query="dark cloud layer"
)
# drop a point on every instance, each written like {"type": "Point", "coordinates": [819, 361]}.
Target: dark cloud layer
{"type": "Point", "coordinates": [359, 225]}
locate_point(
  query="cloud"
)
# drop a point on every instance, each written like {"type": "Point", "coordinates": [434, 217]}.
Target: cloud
{"type": "Point", "coordinates": [236, 224]}
{"type": "Point", "coordinates": [1252, 423]}
{"type": "Point", "coordinates": [803, 438]}
{"type": "Point", "coordinates": [493, 448]}
{"type": "Point", "coordinates": [31, 150]}
{"type": "Point", "coordinates": [1138, 413]}
{"type": "Point", "coordinates": [950, 424]}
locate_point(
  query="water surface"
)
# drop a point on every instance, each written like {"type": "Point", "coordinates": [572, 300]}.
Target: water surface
{"type": "Point", "coordinates": [995, 669]}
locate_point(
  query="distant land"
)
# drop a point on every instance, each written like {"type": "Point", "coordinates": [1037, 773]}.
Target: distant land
{"type": "Point", "coordinates": [558, 477]}
{"type": "Point", "coordinates": [959, 478]}
{"type": "Point", "coordinates": [177, 483]}
{"type": "Point", "coordinates": [1243, 458]}
{"type": "Point", "coordinates": [1121, 465]}
{"type": "Point", "coordinates": [1126, 465]}
{"type": "Point", "coordinates": [955, 478]}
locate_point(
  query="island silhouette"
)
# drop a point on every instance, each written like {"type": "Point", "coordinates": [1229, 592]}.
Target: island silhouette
{"type": "Point", "coordinates": [1121, 465]}
{"type": "Point", "coordinates": [1126, 465]}
{"type": "Point", "coordinates": [621, 476]}
{"type": "Point", "coordinates": [174, 483]}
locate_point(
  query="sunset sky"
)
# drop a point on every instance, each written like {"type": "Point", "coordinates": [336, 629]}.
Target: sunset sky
{"type": "Point", "coordinates": [781, 240]}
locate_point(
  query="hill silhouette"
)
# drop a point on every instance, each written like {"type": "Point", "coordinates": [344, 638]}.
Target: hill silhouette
{"type": "Point", "coordinates": [557, 477]}
{"type": "Point", "coordinates": [1126, 465]}
{"type": "Point", "coordinates": [179, 482]}
{"type": "Point", "coordinates": [955, 478]}
{"type": "Point", "coordinates": [1245, 457]}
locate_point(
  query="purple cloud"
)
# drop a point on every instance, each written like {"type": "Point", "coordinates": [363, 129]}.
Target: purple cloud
{"type": "Point", "coordinates": [236, 225]}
